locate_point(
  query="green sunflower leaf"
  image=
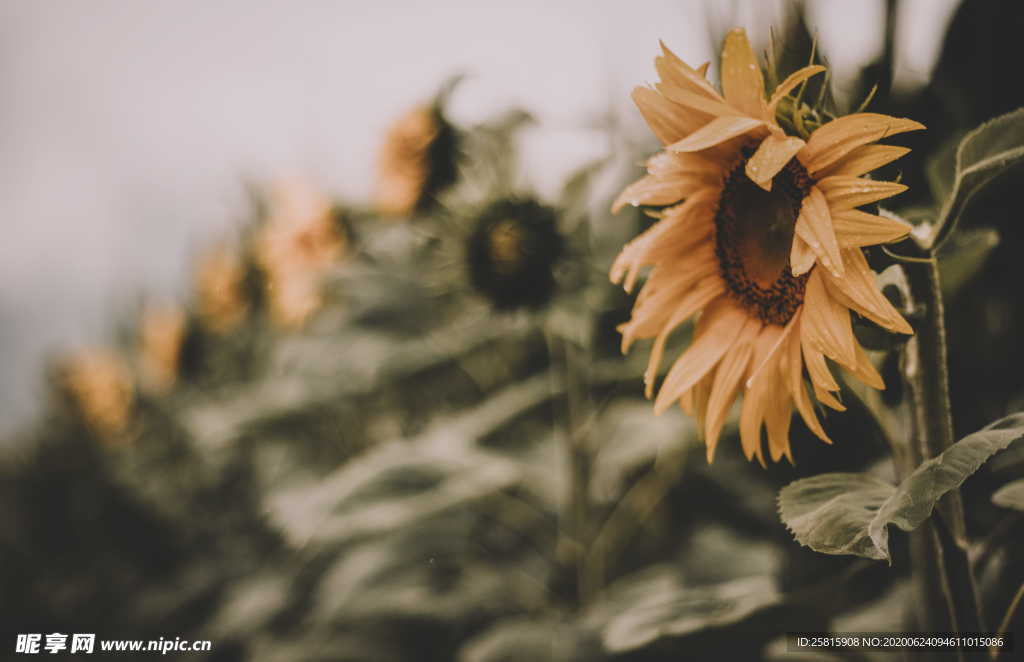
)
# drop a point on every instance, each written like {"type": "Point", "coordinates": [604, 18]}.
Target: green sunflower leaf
{"type": "Point", "coordinates": [983, 154]}
{"type": "Point", "coordinates": [848, 513]}
{"type": "Point", "coordinates": [1010, 495]}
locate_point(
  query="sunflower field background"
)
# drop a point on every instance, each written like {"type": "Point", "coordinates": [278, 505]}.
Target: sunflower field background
{"type": "Point", "coordinates": [407, 431]}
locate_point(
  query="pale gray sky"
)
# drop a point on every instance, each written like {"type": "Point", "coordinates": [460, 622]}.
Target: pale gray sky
{"type": "Point", "coordinates": [126, 127]}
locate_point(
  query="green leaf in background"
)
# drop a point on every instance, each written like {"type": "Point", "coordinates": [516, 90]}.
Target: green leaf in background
{"type": "Point", "coordinates": [640, 611]}
{"type": "Point", "coordinates": [1010, 495]}
{"type": "Point", "coordinates": [983, 154]}
{"type": "Point", "coordinates": [842, 513]}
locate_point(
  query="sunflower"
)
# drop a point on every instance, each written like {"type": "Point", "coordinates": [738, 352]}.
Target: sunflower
{"type": "Point", "coordinates": [512, 253]}
{"type": "Point", "coordinates": [220, 289]}
{"type": "Point", "coordinates": [161, 337]}
{"type": "Point", "coordinates": [761, 238]}
{"type": "Point", "coordinates": [415, 162]}
{"type": "Point", "coordinates": [98, 385]}
{"type": "Point", "coordinates": [297, 246]}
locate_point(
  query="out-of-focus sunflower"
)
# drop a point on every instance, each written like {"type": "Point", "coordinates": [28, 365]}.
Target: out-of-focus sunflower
{"type": "Point", "coordinates": [161, 336]}
{"type": "Point", "coordinates": [221, 299]}
{"type": "Point", "coordinates": [761, 237]}
{"type": "Point", "coordinates": [99, 386]}
{"type": "Point", "coordinates": [415, 161]}
{"type": "Point", "coordinates": [299, 243]}
{"type": "Point", "coordinates": [512, 252]}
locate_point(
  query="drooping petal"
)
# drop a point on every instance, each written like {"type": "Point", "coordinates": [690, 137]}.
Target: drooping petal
{"type": "Point", "coordinates": [844, 192]}
{"type": "Point", "coordinates": [726, 385]}
{"type": "Point", "coordinates": [826, 323]}
{"type": "Point", "coordinates": [716, 332]}
{"type": "Point", "coordinates": [865, 371]}
{"type": "Point", "coordinates": [793, 367]}
{"type": "Point", "coordinates": [822, 380]}
{"type": "Point", "coordinates": [715, 132]}
{"type": "Point", "coordinates": [814, 226]}
{"type": "Point", "coordinates": [669, 164]}
{"type": "Point", "coordinates": [754, 400]}
{"type": "Point", "coordinates": [857, 290]}
{"type": "Point", "coordinates": [742, 82]}
{"type": "Point", "coordinates": [777, 419]}
{"type": "Point", "coordinates": [771, 156]}
{"type": "Point", "coordinates": [696, 299]}
{"type": "Point", "coordinates": [839, 137]}
{"type": "Point", "coordinates": [792, 80]}
{"type": "Point", "coordinates": [863, 160]}
{"type": "Point", "coordinates": [857, 228]}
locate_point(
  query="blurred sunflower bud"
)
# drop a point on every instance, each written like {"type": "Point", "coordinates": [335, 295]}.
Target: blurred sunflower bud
{"type": "Point", "coordinates": [220, 289]}
{"type": "Point", "coordinates": [415, 162]}
{"type": "Point", "coordinates": [98, 385]}
{"type": "Point", "coordinates": [161, 336]}
{"type": "Point", "coordinates": [512, 252]}
{"type": "Point", "coordinates": [300, 241]}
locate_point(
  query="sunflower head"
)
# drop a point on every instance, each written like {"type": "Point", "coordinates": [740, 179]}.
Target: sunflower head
{"type": "Point", "coordinates": [416, 161]}
{"type": "Point", "coordinates": [220, 289]}
{"type": "Point", "coordinates": [161, 337]}
{"type": "Point", "coordinates": [760, 238]}
{"type": "Point", "coordinates": [512, 252]}
{"type": "Point", "coordinates": [98, 386]}
{"type": "Point", "coordinates": [300, 241]}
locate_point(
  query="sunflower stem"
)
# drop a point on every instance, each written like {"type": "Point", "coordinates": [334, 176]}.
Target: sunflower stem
{"type": "Point", "coordinates": [947, 596]}
{"type": "Point", "coordinates": [575, 528]}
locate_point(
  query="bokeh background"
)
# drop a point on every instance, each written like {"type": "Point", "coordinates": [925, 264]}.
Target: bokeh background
{"type": "Point", "coordinates": [128, 130]}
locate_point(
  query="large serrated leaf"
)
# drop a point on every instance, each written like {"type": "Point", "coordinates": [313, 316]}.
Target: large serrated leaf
{"type": "Point", "coordinates": [1010, 495]}
{"type": "Point", "coordinates": [846, 513]}
{"type": "Point", "coordinates": [983, 154]}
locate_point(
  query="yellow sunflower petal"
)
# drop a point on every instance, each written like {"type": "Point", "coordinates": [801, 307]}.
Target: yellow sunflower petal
{"type": "Point", "coordinates": [821, 377]}
{"type": "Point", "coordinates": [793, 366]}
{"type": "Point", "coordinates": [715, 132]}
{"type": "Point", "coordinates": [814, 226]}
{"type": "Point", "coordinates": [726, 386]}
{"type": "Point", "coordinates": [683, 75]}
{"type": "Point", "coordinates": [801, 257]}
{"type": "Point", "coordinates": [656, 190]}
{"type": "Point", "coordinates": [778, 416]}
{"type": "Point", "coordinates": [696, 101]}
{"type": "Point", "coordinates": [857, 228]}
{"type": "Point", "coordinates": [792, 80]}
{"type": "Point", "coordinates": [839, 137]}
{"type": "Point", "coordinates": [863, 160]}
{"type": "Point", "coordinates": [754, 400]}
{"type": "Point", "coordinates": [719, 327]}
{"type": "Point", "coordinates": [742, 82]}
{"type": "Point", "coordinates": [844, 192]}
{"type": "Point", "coordinates": [826, 322]}
{"type": "Point", "coordinates": [688, 305]}
{"type": "Point", "coordinates": [865, 371]}
{"type": "Point", "coordinates": [857, 290]}
{"type": "Point", "coordinates": [771, 156]}
{"type": "Point", "coordinates": [667, 120]}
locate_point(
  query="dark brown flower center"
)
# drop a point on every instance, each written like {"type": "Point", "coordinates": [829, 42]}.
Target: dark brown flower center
{"type": "Point", "coordinates": [753, 238]}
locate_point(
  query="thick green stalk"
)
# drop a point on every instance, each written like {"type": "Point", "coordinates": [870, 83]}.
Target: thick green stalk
{"type": "Point", "coordinates": [942, 573]}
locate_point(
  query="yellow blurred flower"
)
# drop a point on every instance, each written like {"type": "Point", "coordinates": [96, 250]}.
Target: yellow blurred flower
{"type": "Point", "coordinates": [298, 244]}
{"type": "Point", "coordinates": [220, 289]}
{"type": "Point", "coordinates": [403, 165]}
{"type": "Point", "coordinates": [99, 386]}
{"type": "Point", "coordinates": [761, 239]}
{"type": "Point", "coordinates": [161, 335]}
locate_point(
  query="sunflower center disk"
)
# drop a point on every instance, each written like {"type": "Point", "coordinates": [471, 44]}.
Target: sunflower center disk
{"type": "Point", "coordinates": [753, 238]}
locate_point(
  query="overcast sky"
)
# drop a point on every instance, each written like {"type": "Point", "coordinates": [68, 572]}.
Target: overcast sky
{"type": "Point", "coordinates": [127, 126]}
